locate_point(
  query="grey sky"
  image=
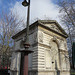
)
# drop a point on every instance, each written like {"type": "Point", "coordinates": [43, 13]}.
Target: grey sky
{"type": "Point", "coordinates": [41, 9]}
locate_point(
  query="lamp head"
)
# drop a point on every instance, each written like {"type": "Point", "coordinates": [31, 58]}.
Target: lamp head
{"type": "Point", "coordinates": [25, 3]}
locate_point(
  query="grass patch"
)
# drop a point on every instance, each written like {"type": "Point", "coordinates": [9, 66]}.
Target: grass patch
{"type": "Point", "coordinates": [72, 73]}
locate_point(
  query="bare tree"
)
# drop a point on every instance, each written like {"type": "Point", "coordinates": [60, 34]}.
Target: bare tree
{"type": "Point", "coordinates": [67, 11]}
{"type": "Point", "coordinates": [9, 24]}
{"type": "Point", "coordinates": [67, 17]}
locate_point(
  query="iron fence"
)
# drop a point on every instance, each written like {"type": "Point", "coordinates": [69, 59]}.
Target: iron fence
{"type": "Point", "coordinates": [4, 62]}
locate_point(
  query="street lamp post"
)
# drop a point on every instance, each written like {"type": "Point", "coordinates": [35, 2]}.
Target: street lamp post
{"type": "Point", "coordinates": [26, 41]}
{"type": "Point", "coordinates": [25, 4]}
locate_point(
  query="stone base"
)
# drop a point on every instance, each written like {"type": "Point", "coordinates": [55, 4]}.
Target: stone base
{"type": "Point", "coordinates": [32, 72]}
{"type": "Point", "coordinates": [49, 73]}
{"type": "Point", "coordinates": [13, 72]}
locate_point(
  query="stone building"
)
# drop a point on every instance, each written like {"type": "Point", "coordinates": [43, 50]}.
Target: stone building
{"type": "Point", "coordinates": [48, 41]}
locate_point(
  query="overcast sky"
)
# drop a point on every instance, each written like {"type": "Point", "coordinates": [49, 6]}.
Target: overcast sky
{"type": "Point", "coordinates": [40, 9]}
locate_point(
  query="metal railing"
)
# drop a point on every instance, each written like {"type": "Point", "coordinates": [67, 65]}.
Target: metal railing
{"type": "Point", "coordinates": [4, 62]}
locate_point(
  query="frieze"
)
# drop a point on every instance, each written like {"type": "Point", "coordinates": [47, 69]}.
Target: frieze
{"type": "Point", "coordinates": [35, 37]}
{"type": "Point", "coordinates": [40, 36]}
{"type": "Point", "coordinates": [53, 27]}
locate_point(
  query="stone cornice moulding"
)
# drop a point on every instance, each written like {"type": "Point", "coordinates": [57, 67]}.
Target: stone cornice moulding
{"type": "Point", "coordinates": [44, 45]}
{"type": "Point", "coordinates": [63, 51]}
{"type": "Point", "coordinates": [40, 23]}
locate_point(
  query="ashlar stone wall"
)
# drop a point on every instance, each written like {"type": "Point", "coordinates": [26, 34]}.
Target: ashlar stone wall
{"type": "Point", "coordinates": [52, 53]}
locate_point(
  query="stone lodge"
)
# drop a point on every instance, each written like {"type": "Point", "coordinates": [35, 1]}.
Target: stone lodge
{"type": "Point", "coordinates": [48, 41]}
